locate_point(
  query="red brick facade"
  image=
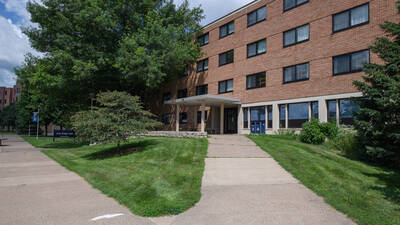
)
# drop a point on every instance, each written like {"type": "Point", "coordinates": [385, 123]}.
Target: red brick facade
{"type": "Point", "coordinates": [322, 45]}
{"type": "Point", "coordinates": [9, 95]}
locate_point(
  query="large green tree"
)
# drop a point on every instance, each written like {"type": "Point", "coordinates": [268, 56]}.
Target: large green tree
{"type": "Point", "coordinates": [8, 117]}
{"type": "Point", "coordinates": [90, 46]}
{"type": "Point", "coordinates": [378, 122]}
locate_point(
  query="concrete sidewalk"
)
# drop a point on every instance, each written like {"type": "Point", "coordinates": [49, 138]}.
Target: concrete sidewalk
{"type": "Point", "coordinates": [35, 190]}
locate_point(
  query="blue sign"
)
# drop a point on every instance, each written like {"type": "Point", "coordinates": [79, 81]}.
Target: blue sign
{"type": "Point", "coordinates": [35, 118]}
{"type": "Point", "coordinates": [63, 133]}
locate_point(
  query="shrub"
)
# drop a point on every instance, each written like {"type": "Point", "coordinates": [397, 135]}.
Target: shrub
{"type": "Point", "coordinates": [346, 142]}
{"type": "Point", "coordinates": [312, 133]}
{"type": "Point", "coordinates": [286, 132]}
{"type": "Point", "coordinates": [330, 130]}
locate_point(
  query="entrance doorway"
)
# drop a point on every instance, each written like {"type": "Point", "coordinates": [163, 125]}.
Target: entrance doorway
{"type": "Point", "coordinates": [231, 121]}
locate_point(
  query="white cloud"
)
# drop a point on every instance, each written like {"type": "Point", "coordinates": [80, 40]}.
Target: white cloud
{"type": "Point", "coordinates": [12, 50]}
{"type": "Point", "coordinates": [214, 9]}
{"type": "Point", "coordinates": [19, 8]}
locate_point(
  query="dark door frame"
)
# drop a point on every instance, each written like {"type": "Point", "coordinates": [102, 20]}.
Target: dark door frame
{"type": "Point", "coordinates": [231, 120]}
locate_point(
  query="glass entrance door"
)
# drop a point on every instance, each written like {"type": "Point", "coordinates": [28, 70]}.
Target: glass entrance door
{"type": "Point", "coordinates": [257, 120]}
{"type": "Point", "coordinates": [230, 121]}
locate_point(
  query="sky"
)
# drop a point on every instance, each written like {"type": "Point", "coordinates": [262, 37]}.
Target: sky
{"type": "Point", "coordinates": [14, 45]}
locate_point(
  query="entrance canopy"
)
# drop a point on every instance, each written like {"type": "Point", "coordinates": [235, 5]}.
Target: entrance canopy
{"type": "Point", "coordinates": [209, 100]}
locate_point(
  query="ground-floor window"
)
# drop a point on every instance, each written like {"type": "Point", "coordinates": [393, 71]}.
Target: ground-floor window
{"type": "Point", "coordinates": [166, 118]}
{"type": "Point", "coordinates": [346, 109]}
{"type": "Point", "coordinates": [269, 110]}
{"type": "Point", "coordinates": [245, 117]}
{"type": "Point", "coordinates": [257, 120]}
{"type": "Point", "coordinates": [331, 104]}
{"type": "Point", "coordinates": [298, 114]}
{"type": "Point", "coordinates": [199, 116]}
{"type": "Point", "coordinates": [182, 117]}
{"type": "Point", "coordinates": [282, 116]}
{"type": "Point", "coordinates": [314, 110]}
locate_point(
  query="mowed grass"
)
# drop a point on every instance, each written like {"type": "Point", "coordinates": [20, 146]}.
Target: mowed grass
{"type": "Point", "coordinates": [47, 142]}
{"type": "Point", "coordinates": [367, 194]}
{"type": "Point", "coordinates": [151, 176]}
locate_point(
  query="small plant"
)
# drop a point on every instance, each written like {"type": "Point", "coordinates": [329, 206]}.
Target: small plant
{"type": "Point", "coordinates": [346, 142]}
{"type": "Point", "coordinates": [312, 133]}
{"type": "Point", "coordinates": [330, 130]}
{"type": "Point", "coordinates": [286, 132]}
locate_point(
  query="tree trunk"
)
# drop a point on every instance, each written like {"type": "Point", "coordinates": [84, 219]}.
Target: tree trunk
{"type": "Point", "coordinates": [45, 129]}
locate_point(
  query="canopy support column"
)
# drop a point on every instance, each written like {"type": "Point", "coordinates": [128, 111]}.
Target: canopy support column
{"type": "Point", "coordinates": [221, 122]}
{"type": "Point", "coordinates": [202, 116]}
{"type": "Point", "coordinates": [177, 118]}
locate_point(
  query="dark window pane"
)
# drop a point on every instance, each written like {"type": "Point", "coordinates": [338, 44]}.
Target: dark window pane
{"type": "Point", "coordinates": [341, 64]}
{"type": "Point", "coordinates": [269, 108]}
{"type": "Point", "coordinates": [358, 59]}
{"type": "Point", "coordinates": [303, 33]}
{"type": "Point", "coordinates": [331, 110]}
{"type": "Point", "coordinates": [222, 87]}
{"type": "Point", "coordinates": [341, 21]}
{"type": "Point", "coordinates": [251, 49]}
{"type": "Point", "coordinates": [261, 80]}
{"type": "Point", "coordinates": [289, 74]}
{"type": "Point", "coordinates": [251, 81]}
{"type": "Point", "coordinates": [302, 71]}
{"type": "Point", "coordinates": [288, 4]}
{"type": "Point", "coordinates": [289, 37]}
{"type": "Point", "coordinates": [199, 116]}
{"type": "Point", "coordinates": [231, 27]}
{"type": "Point", "coordinates": [315, 110]}
{"type": "Point", "coordinates": [206, 38]}
{"type": "Point", "coordinates": [229, 57]}
{"type": "Point", "coordinates": [282, 116]}
{"type": "Point", "coordinates": [261, 46]}
{"type": "Point", "coordinates": [261, 14]}
{"type": "Point", "coordinates": [200, 66]}
{"type": "Point", "coordinates": [223, 31]}
{"type": "Point", "coordinates": [254, 114]}
{"type": "Point", "coordinates": [359, 15]}
{"type": "Point", "coordinates": [183, 118]}
{"type": "Point", "coordinates": [222, 59]}
{"type": "Point", "coordinates": [206, 64]}
{"type": "Point", "coordinates": [229, 85]}
{"type": "Point", "coordinates": [298, 114]}
{"type": "Point", "coordinates": [346, 110]}
{"type": "Point", "coordinates": [252, 18]}
{"type": "Point", "coordinates": [301, 1]}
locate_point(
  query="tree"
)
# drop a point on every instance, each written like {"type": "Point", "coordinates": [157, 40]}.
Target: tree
{"type": "Point", "coordinates": [94, 46]}
{"type": "Point", "coordinates": [7, 117]}
{"type": "Point", "coordinates": [117, 117]}
{"type": "Point", "coordinates": [378, 122]}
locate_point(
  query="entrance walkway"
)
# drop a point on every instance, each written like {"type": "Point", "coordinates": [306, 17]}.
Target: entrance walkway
{"type": "Point", "coordinates": [243, 185]}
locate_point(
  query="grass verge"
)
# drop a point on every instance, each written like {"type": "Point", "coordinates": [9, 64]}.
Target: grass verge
{"type": "Point", "coordinates": [367, 194]}
{"type": "Point", "coordinates": [151, 176]}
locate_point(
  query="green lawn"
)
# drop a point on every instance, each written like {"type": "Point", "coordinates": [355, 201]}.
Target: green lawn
{"type": "Point", "coordinates": [6, 132]}
{"type": "Point", "coordinates": [151, 176]}
{"type": "Point", "coordinates": [47, 142]}
{"type": "Point", "coordinates": [367, 194]}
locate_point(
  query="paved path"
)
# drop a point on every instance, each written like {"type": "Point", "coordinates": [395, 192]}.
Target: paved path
{"type": "Point", "coordinates": [241, 185]}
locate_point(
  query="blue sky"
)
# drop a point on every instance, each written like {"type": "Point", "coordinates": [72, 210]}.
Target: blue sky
{"type": "Point", "coordinates": [14, 44]}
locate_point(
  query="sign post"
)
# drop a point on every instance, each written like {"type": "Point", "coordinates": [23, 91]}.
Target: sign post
{"type": "Point", "coordinates": [36, 120]}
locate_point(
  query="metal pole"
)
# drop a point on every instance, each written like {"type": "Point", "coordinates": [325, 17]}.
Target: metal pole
{"type": "Point", "coordinates": [29, 129]}
{"type": "Point", "coordinates": [37, 128]}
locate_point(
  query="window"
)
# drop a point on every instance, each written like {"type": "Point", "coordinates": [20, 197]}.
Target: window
{"type": "Point", "coordinates": [199, 116]}
{"type": "Point", "coordinates": [166, 119]}
{"type": "Point", "coordinates": [256, 80]}
{"type": "Point", "coordinates": [226, 58]}
{"type": "Point", "coordinates": [257, 16]}
{"type": "Point", "coordinates": [182, 93]}
{"type": "Point", "coordinates": [351, 18]}
{"type": "Point", "coordinates": [296, 35]}
{"type": "Point", "coordinates": [346, 109]}
{"type": "Point", "coordinates": [296, 73]}
{"type": "Point", "coordinates": [246, 118]}
{"type": "Point", "coordinates": [182, 117]}
{"type": "Point", "coordinates": [202, 65]}
{"type": "Point", "coordinates": [331, 104]}
{"type": "Point", "coordinates": [202, 90]}
{"type": "Point", "coordinates": [186, 71]}
{"type": "Point", "coordinates": [282, 116]}
{"type": "Point", "coordinates": [256, 48]}
{"type": "Point", "coordinates": [350, 63]}
{"type": "Point", "coordinates": [225, 86]}
{"type": "Point", "coordinates": [166, 97]}
{"type": "Point", "coordinates": [314, 110]}
{"type": "Point", "coordinates": [269, 110]}
{"type": "Point", "coordinates": [290, 4]}
{"type": "Point", "coordinates": [298, 114]}
{"type": "Point", "coordinates": [203, 39]}
{"type": "Point", "coordinates": [226, 29]}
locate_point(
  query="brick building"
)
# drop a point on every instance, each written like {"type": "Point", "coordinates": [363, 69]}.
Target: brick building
{"type": "Point", "coordinates": [275, 64]}
{"type": "Point", "coordinates": [9, 95]}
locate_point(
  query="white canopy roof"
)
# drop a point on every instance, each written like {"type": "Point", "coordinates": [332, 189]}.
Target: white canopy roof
{"type": "Point", "coordinates": [209, 100]}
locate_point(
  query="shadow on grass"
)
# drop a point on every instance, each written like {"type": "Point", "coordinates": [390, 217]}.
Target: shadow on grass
{"type": "Point", "coordinates": [61, 145]}
{"type": "Point", "coordinates": [126, 149]}
{"type": "Point", "coordinates": [391, 181]}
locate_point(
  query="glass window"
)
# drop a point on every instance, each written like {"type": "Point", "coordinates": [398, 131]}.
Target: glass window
{"type": "Point", "coordinates": [290, 4]}
{"type": "Point", "coordinates": [226, 58]}
{"type": "Point", "coordinates": [315, 110]}
{"type": "Point", "coordinates": [199, 116]}
{"type": "Point", "coordinates": [202, 90]}
{"type": "Point", "coordinates": [350, 63]}
{"type": "Point", "coordinates": [225, 86]}
{"type": "Point", "coordinates": [186, 71]}
{"type": "Point", "coordinates": [245, 117]}
{"type": "Point", "coordinates": [203, 39]}
{"type": "Point", "coordinates": [298, 114]}
{"type": "Point", "coordinates": [166, 119]}
{"type": "Point", "coordinates": [226, 29]}
{"type": "Point", "coordinates": [166, 96]}
{"type": "Point", "coordinates": [256, 16]}
{"type": "Point", "coordinates": [257, 48]}
{"type": "Point", "coordinates": [296, 73]}
{"type": "Point", "coordinates": [351, 18]}
{"type": "Point", "coordinates": [359, 15]}
{"type": "Point", "coordinates": [182, 117]}
{"type": "Point", "coordinates": [269, 109]}
{"type": "Point", "coordinates": [202, 65]}
{"type": "Point", "coordinates": [182, 93]}
{"type": "Point", "coordinates": [347, 108]}
{"type": "Point", "coordinates": [296, 35]}
{"type": "Point", "coordinates": [256, 80]}
{"type": "Point", "coordinates": [257, 114]}
{"type": "Point", "coordinates": [331, 104]}
{"type": "Point", "coordinates": [282, 116]}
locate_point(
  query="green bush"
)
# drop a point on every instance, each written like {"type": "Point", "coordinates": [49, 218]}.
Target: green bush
{"type": "Point", "coordinates": [311, 133]}
{"type": "Point", "coordinates": [346, 142]}
{"type": "Point", "coordinates": [330, 130]}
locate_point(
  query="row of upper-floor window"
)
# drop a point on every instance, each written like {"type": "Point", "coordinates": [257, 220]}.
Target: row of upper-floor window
{"type": "Point", "coordinates": [349, 18]}
{"type": "Point", "coordinates": [341, 64]}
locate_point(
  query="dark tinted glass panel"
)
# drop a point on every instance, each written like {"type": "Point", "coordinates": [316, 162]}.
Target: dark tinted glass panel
{"type": "Point", "coordinates": [282, 116]}
{"type": "Point", "coordinates": [199, 116]}
{"type": "Point", "coordinates": [303, 33]}
{"type": "Point", "coordinates": [245, 117]}
{"type": "Point", "coordinates": [302, 71]}
{"type": "Point", "coordinates": [202, 90]}
{"type": "Point", "coordinates": [256, 80]}
{"type": "Point", "coordinates": [359, 15]}
{"type": "Point", "coordinates": [315, 110]}
{"type": "Point", "coordinates": [341, 64]}
{"type": "Point", "coordinates": [261, 14]}
{"type": "Point", "coordinates": [298, 114]}
{"type": "Point", "coordinates": [269, 108]}
{"type": "Point", "coordinates": [289, 74]}
{"type": "Point", "coordinates": [351, 18]}
{"type": "Point", "coordinates": [288, 4]}
{"type": "Point", "coordinates": [183, 118]}
{"type": "Point", "coordinates": [252, 18]}
{"type": "Point", "coordinates": [341, 21]}
{"type": "Point", "coordinates": [251, 50]}
{"type": "Point", "coordinates": [289, 37]}
{"type": "Point", "coordinates": [358, 59]}
{"type": "Point", "coordinates": [347, 108]}
{"type": "Point", "coordinates": [166, 96]}
{"type": "Point", "coordinates": [331, 110]}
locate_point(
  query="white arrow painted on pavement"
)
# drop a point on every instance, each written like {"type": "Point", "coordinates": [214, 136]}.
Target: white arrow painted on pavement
{"type": "Point", "coordinates": [107, 216]}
